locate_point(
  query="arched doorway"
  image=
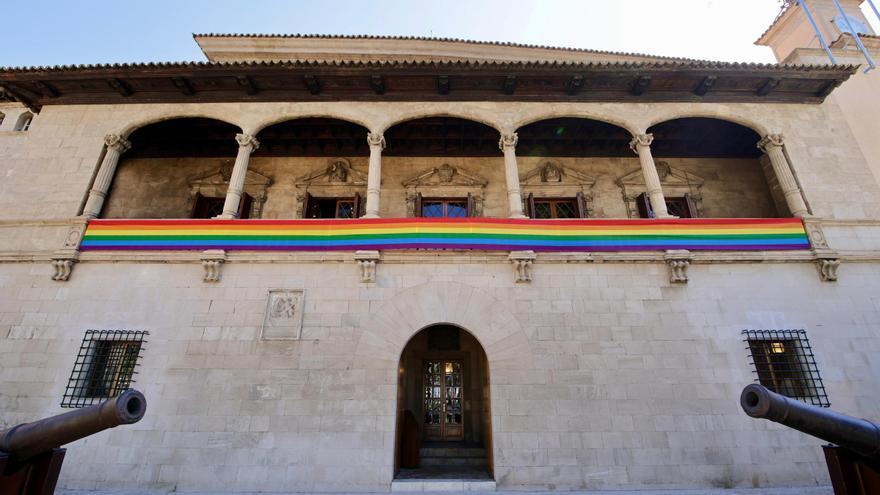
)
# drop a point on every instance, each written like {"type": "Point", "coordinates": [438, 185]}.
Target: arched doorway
{"type": "Point", "coordinates": [443, 408]}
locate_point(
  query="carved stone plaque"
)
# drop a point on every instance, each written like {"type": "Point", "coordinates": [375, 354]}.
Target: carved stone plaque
{"type": "Point", "coordinates": [284, 315]}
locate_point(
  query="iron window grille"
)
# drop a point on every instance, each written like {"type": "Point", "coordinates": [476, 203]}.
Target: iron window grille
{"type": "Point", "coordinates": [105, 366]}
{"type": "Point", "coordinates": [784, 363]}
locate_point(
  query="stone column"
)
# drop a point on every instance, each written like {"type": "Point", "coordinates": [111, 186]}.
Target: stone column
{"type": "Point", "coordinates": [772, 145]}
{"type": "Point", "coordinates": [374, 173]}
{"type": "Point", "coordinates": [511, 172]}
{"type": "Point", "coordinates": [247, 144]}
{"type": "Point", "coordinates": [116, 146]}
{"type": "Point", "coordinates": [641, 145]}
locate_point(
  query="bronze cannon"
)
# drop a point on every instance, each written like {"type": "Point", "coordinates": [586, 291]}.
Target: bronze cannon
{"type": "Point", "coordinates": [853, 459]}
{"type": "Point", "coordinates": [30, 457]}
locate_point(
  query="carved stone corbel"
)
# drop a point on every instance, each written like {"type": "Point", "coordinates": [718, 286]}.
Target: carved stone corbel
{"type": "Point", "coordinates": [522, 265]}
{"type": "Point", "coordinates": [366, 261]}
{"type": "Point", "coordinates": [828, 268]}
{"type": "Point", "coordinates": [212, 263]}
{"type": "Point", "coordinates": [62, 266]}
{"type": "Point", "coordinates": [678, 261]}
{"type": "Point", "coordinates": [64, 258]}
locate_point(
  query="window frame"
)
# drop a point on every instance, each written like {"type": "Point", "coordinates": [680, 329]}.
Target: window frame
{"type": "Point", "coordinates": [24, 122]}
{"type": "Point", "coordinates": [105, 366]}
{"type": "Point", "coordinates": [783, 361]}
{"type": "Point", "coordinates": [309, 200]}
{"type": "Point", "coordinates": [445, 200]}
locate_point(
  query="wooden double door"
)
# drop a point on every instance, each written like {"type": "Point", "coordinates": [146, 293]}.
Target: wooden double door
{"type": "Point", "coordinates": [443, 400]}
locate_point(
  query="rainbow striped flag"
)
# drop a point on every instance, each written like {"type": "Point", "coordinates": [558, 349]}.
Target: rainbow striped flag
{"type": "Point", "coordinates": [731, 234]}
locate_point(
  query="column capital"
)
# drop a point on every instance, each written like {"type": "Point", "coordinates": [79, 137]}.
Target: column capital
{"type": "Point", "coordinates": [508, 141]}
{"type": "Point", "coordinates": [640, 140]}
{"type": "Point", "coordinates": [375, 139]}
{"type": "Point", "coordinates": [247, 140]}
{"type": "Point", "coordinates": [771, 141]}
{"type": "Point", "coordinates": [117, 143]}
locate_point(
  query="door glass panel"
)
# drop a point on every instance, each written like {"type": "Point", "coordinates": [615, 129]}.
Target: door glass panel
{"type": "Point", "coordinates": [453, 393]}
{"type": "Point", "coordinates": [432, 398]}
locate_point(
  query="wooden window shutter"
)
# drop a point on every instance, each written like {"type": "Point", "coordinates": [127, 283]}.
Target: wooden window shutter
{"type": "Point", "coordinates": [691, 206]}
{"type": "Point", "coordinates": [196, 204]}
{"type": "Point", "coordinates": [471, 210]}
{"type": "Point", "coordinates": [357, 205]}
{"type": "Point", "coordinates": [530, 206]}
{"type": "Point", "coordinates": [418, 206]}
{"type": "Point", "coordinates": [307, 202]}
{"type": "Point", "coordinates": [643, 202]}
{"type": "Point", "coordinates": [581, 205]}
{"type": "Point", "coordinates": [244, 206]}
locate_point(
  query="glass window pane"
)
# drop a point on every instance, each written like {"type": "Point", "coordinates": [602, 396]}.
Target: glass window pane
{"type": "Point", "coordinates": [432, 210]}
{"type": "Point", "coordinates": [345, 209]}
{"type": "Point", "coordinates": [456, 210]}
{"type": "Point", "coordinates": [566, 209]}
{"type": "Point", "coordinates": [542, 210]}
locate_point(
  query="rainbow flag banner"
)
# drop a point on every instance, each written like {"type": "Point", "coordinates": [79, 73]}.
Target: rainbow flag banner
{"type": "Point", "coordinates": [730, 234]}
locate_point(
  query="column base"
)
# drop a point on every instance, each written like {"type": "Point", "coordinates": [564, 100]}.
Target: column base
{"type": "Point", "coordinates": [518, 216]}
{"type": "Point", "coordinates": [370, 215]}
{"type": "Point", "coordinates": [226, 216]}
{"type": "Point", "coordinates": [665, 217]}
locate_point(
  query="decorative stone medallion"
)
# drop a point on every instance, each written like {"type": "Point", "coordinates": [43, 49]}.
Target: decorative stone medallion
{"type": "Point", "coordinates": [284, 315]}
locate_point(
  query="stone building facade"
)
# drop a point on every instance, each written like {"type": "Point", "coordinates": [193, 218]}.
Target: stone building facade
{"type": "Point", "coordinates": [293, 370]}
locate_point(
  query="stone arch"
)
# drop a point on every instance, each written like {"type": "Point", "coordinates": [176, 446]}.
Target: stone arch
{"type": "Point", "coordinates": [575, 114]}
{"type": "Point", "coordinates": [387, 331]}
{"type": "Point", "coordinates": [140, 124]}
{"type": "Point", "coordinates": [277, 119]}
{"type": "Point", "coordinates": [732, 117]}
{"type": "Point", "coordinates": [423, 114]}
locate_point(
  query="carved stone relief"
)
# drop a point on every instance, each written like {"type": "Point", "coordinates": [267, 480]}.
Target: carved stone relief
{"type": "Point", "coordinates": [337, 179]}
{"type": "Point", "coordinates": [551, 179]}
{"type": "Point", "coordinates": [445, 181]}
{"type": "Point", "coordinates": [215, 185]}
{"type": "Point", "coordinates": [284, 314]}
{"type": "Point", "coordinates": [675, 183]}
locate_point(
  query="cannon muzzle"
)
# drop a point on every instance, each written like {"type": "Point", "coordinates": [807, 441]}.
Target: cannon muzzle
{"type": "Point", "coordinates": [30, 439]}
{"type": "Point", "coordinates": [858, 435]}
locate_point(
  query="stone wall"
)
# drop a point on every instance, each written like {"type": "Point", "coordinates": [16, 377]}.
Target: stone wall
{"type": "Point", "coordinates": [159, 188]}
{"type": "Point", "coordinates": [602, 375]}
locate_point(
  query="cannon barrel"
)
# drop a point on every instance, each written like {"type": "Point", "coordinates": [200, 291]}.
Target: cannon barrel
{"type": "Point", "coordinates": [29, 439]}
{"type": "Point", "coordinates": [858, 435]}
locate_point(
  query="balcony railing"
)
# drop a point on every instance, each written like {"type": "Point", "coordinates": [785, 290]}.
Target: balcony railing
{"type": "Point", "coordinates": [590, 235]}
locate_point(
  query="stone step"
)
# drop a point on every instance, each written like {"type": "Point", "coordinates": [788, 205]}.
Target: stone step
{"type": "Point", "coordinates": [453, 461]}
{"type": "Point", "coordinates": [439, 485]}
{"type": "Point", "coordinates": [452, 452]}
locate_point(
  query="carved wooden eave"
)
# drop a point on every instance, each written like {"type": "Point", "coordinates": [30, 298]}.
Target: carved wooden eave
{"type": "Point", "coordinates": [551, 173]}
{"type": "Point", "coordinates": [466, 80]}
{"type": "Point", "coordinates": [445, 175]}
{"type": "Point", "coordinates": [337, 172]}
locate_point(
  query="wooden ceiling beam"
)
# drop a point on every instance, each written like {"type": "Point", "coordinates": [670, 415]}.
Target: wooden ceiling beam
{"type": "Point", "coordinates": [312, 84]}
{"type": "Point", "coordinates": [640, 85]}
{"type": "Point", "coordinates": [768, 86]}
{"type": "Point", "coordinates": [705, 85]}
{"type": "Point", "coordinates": [47, 89]}
{"type": "Point", "coordinates": [443, 85]}
{"type": "Point", "coordinates": [121, 87]}
{"type": "Point", "coordinates": [183, 85]}
{"type": "Point", "coordinates": [377, 84]}
{"type": "Point", "coordinates": [509, 86]}
{"type": "Point", "coordinates": [246, 82]}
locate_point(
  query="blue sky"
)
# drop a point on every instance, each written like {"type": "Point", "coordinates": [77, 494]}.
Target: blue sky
{"type": "Point", "coordinates": [86, 31]}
